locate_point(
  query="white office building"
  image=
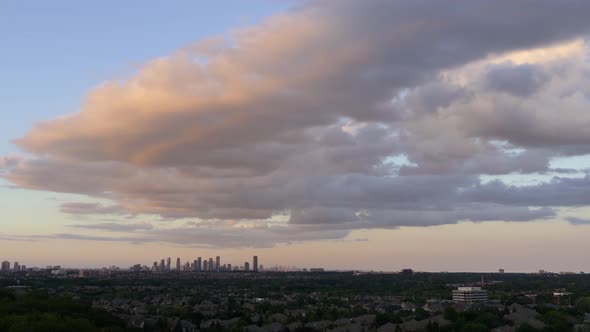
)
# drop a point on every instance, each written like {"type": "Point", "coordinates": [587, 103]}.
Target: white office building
{"type": "Point", "coordinates": [470, 295]}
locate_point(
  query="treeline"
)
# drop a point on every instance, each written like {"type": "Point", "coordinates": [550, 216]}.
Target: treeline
{"type": "Point", "coordinates": [38, 311]}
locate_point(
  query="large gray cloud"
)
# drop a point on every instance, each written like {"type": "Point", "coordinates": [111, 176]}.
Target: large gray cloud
{"type": "Point", "coordinates": [522, 80]}
{"type": "Point", "coordinates": [337, 115]}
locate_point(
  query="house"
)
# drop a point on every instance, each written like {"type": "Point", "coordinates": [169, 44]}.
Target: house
{"type": "Point", "coordinates": [388, 327]}
{"type": "Point", "coordinates": [414, 325]}
{"type": "Point", "coordinates": [274, 327]}
{"type": "Point", "coordinates": [281, 318]}
{"type": "Point", "coordinates": [365, 320]}
{"type": "Point", "coordinates": [184, 326]}
{"type": "Point", "coordinates": [520, 315]}
{"type": "Point", "coordinates": [505, 328]}
{"type": "Point", "coordinates": [411, 306]}
{"type": "Point", "coordinates": [440, 321]}
{"type": "Point", "coordinates": [318, 325]}
{"type": "Point", "coordinates": [348, 328]}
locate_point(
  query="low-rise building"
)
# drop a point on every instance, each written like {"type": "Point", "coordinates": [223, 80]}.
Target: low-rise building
{"type": "Point", "coordinates": [470, 295]}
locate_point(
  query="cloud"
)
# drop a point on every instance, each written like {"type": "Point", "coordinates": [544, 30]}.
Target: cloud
{"type": "Point", "coordinates": [68, 236]}
{"type": "Point", "coordinates": [521, 80]}
{"type": "Point", "coordinates": [577, 221]}
{"type": "Point", "coordinates": [115, 227]}
{"type": "Point", "coordinates": [559, 192]}
{"type": "Point", "coordinates": [199, 237]}
{"type": "Point", "coordinates": [8, 162]}
{"type": "Point", "coordinates": [334, 116]}
{"type": "Point", "coordinates": [263, 88]}
{"type": "Point", "coordinates": [90, 208]}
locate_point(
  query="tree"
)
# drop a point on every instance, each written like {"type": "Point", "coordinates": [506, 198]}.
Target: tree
{"type": "Point", "coordinates": [474, 327]}
{"type": "Point", "coordinates": [451, 314]}
{"type": "Point", "coordinates": [526, 328]}
{"type": "Point", "coordinates": [583, 304]}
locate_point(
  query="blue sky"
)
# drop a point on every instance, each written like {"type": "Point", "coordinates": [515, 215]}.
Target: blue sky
{"type": "Point", "coordinates": [53, 52]}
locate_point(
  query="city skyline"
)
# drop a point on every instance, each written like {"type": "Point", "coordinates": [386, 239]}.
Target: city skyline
{"type": "Point", "coordinates": [342, 134]}
{"type": "Point", "coordinates": [204, 264]}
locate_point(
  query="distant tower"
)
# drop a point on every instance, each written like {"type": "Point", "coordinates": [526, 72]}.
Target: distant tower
{"type": "Point", "coordinates": [178, 264]}
{"type": "Point", "coordinates": [168, 261]}
{"type": "Point", "coordinates": [6, 266]}
{"type": "Point", "coordinates": [199, 265]}
{"type": "Point", "coordinates": [211, 267]}
{"type": "Point", "coordinates": [162, 265]}
{"type": "Point", "coordinates": [255, 263]}
{"type": "Point", "coordinates": [217, 263]}
{"type": "Point", "coordinates": [246, 266]}
{"type": "Point", "coordinates": [16, 268]}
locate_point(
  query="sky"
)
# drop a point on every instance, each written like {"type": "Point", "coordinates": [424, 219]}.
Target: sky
{"type": "Point", "coordinates": [437, 135]}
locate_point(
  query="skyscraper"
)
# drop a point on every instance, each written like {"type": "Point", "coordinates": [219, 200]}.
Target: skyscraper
{"type": "Point", "coordinates": [15, 267]}
{"type": "Point", "coordinates": [255, 263]}
{"type": "Point", "coordinates": [211, 267]}
{"type": "Point", "coordinates": [5, 266]}
{"type": "Point", "coordinates": [217, 263]}
{"type": "Point", "coordinates": [178, 264]}
{"type": "Point", "coordinates": [162, 265]}
{"type": "Point", "coordinates": [168, 261]}
{"type": "Point", "coordinates": [199, 265]}
{"type": "Point", "coordinates": [246, 266]}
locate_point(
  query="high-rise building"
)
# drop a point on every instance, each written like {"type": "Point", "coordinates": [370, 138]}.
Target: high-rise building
{"type": "Point", "coordinates": [178, 264]}
{"type": "Point", "coordinates": [228, 267]}
{"type": "Point", "coordinates": [168, 261]}
{"type": "Point", "coordinates": [162, 265]}
{"type": "Point", "coordinates": [211, 267]}
{"type": "Point", "coordinates": [255, 263]}
{"type": "Point", "coordinates": [199, 265]}
{"type": "Point", "coordinates": [15, 267]}
{"type": "Point", "coordinates": [246, 266]}
{"type": "Point", "coordinates": [217, 263]}
{"type": "Point", "coordinates": [5, 266]}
